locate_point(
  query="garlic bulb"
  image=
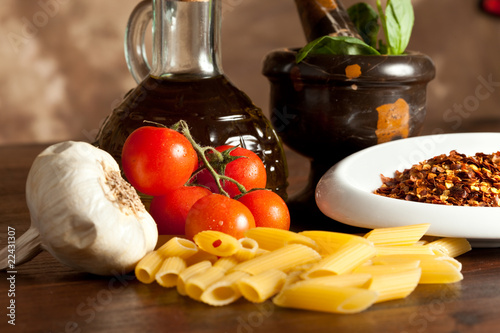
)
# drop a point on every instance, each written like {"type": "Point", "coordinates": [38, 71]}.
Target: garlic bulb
{"type": "Point", "coordinates": [83, 212]}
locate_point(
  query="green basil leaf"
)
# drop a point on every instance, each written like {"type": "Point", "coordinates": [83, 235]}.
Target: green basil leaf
{"type": "Point", "coordinates": [365, 19]}
{"type": "Point", "coordinates": [335, 46]}
{"type": "Point", "coordinates": [382, 47]}
{"type": "Point", "coordinates": [397, 22]}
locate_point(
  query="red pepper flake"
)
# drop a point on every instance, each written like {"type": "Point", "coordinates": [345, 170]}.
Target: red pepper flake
{"type": "Point", "coordinates": [217, 243]}
{"type": "Point", "coordinates": [454, 179]}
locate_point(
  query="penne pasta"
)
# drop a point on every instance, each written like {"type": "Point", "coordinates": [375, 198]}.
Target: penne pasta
{"type": "Point", "coordinates": [388, 268]}
{"type": "Point", "coordinates": [395, 285]}
{"type": "Point", "coordinates": [326, 298]}
{"type": "Point", "coordinates": [312, 270]}
{"type": "Point", "coordinates": [226, 263]}
{"type": "Point", "coordinates": [197, 284]}
{"type": "Point", "coordinates": [201, 256]}
{"type": "Point", "coordinates": [435, 268]}
{"type": "Point", "coordinates": [452, 247]}
{"type": "Point", "coordinates": [302, 268]}
{"type": "Point", "coordinates": [223, 291]}
{"type": "Point", "coordinates": [283, 259]}
{"type": "Point", "coordinates": [189, 272]}
{"type": "Point", "coordinates": [261, 252]}
{"type": "Point", "coordinates": [217, 243]}
{"type": "Point", "coordinates": [343, 280]}
{"type": "Point", "coordinates": [272, 238]}
{"type": "Point", "coordinates": [403, 249]}
{"type": "Point", "coordinates": [344, 260]}
{"type": "Point", "coordinates": [291, 278]}
{"type": "Point", "coordinates": [400, 258]}
{"type": "Point", "coordinates": [169, 271]}
{"type": "Point", "coordinates": [258, 288]}
{"type": "Point", "coordinates": [178, 247]}
{"type": "Point", "coordinates": [452, 261]}
{"type": "Point", "coordinates": [146, 268]}
{"type": "Point", "coordinates": [440, 269]}
{"type": "Point", "coordinates": [329, 241]}
{"type": "Point", "coordinates": [299, 239]}
{"type": "Point", "coordinates": [405, 235]}
{"type": "Point", "coordinates": [248, 249]}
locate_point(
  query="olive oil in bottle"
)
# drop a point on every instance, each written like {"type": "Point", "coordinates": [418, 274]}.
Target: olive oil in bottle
{"type": "Point", "coordinates": [186, 82]}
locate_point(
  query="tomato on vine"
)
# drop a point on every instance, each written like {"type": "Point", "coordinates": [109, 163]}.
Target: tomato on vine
{"type": "Point", "coordinates": [221, 213]}
{"type": "Point", "coordinates": [268, 209]}
{"type": "Point", "coordinates": [156, 160]}
{"type": "Point", "coordinates": [170, 210]}
{"type": "Point", "coordinates": [248, 170]}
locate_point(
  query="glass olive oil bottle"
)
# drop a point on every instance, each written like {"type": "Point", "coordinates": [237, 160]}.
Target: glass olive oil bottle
{"type": "Point", "coordinates": [186, 81]}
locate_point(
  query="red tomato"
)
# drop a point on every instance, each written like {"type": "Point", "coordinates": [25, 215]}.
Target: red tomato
{"type": "Point", "coordinates": [249, 171]}
{"type": "Point", "coordinates": [170, 210]}
{"type": "Point", "coordinates": [268, 209]}
{"type": "Point", "coordinates": [218, 212]}
{"type": "Point", "coordinates": [156, 160]}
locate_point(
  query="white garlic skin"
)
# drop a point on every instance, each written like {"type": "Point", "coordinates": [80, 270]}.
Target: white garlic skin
{"type": "Point", "coordinates": [78, 224]}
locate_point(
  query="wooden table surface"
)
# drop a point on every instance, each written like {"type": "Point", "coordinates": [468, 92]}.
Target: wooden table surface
{"type": "Point", "coordinates": [50, 297]}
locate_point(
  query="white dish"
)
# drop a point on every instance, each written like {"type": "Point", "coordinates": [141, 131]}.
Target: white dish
{"type": "Point", "coordinates": [345, 192]}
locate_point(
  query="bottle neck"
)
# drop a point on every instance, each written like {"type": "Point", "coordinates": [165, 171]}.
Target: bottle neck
{"type": "Point", "coordinates": [186, 38]}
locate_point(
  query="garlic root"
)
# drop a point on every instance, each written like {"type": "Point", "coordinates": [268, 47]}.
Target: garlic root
{"type": "Point", "coordinates": [28, 246]}
{"type": "Point", "coordinates": [85, 214]}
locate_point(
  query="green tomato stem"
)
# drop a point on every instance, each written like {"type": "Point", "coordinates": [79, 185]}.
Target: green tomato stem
{"type": "Point", "coordinates": [184, 129]}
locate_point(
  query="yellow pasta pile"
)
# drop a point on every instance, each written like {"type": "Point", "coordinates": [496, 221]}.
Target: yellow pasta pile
{"type": "Point", "coordinates": [312, 270]}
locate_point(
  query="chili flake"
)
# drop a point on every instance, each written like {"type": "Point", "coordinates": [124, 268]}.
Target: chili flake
{"type": "Point", "coordinates": [453, 179]}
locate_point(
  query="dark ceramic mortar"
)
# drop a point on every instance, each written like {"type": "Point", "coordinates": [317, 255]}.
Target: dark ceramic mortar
{"type": "Point", "coordinates": [328, 107]}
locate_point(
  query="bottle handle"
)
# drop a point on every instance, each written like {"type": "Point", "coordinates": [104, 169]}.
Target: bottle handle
{"type": "Point", "coordinates": [135, 49]}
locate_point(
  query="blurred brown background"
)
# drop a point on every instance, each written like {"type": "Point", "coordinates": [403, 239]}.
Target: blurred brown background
{"type": "Point", "coordinates": [63, 69]}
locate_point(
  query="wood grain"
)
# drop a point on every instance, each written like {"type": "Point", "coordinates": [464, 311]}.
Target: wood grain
{"type": "Point", "coordinates": [50, 297]}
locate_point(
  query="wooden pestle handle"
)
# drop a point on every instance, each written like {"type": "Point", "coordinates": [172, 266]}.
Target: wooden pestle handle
{"type": "Point", "coordinates": [325, 17]}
